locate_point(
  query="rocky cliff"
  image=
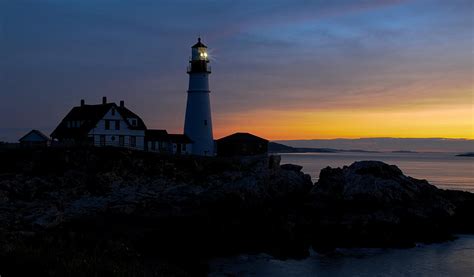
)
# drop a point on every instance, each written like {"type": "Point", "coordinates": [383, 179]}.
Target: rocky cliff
{"type": "Point", "coordinates": [94, 212]}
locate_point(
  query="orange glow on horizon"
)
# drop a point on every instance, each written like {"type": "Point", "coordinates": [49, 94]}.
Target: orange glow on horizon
{"type": "Point", "coordinates": [447, 122]}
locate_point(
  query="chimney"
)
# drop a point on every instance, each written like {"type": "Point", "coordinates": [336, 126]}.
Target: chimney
{"type": "Point", "coordinates": [104, 100]}
{"type": "Point", "coordinates": [122, 103]}
{"type": "Point", "coordinates": [83, 102]}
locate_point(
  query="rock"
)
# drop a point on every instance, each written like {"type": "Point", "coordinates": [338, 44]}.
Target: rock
{"type": "Point", "coordinates": [274, 161]}
{"type": "Point", "coordinates": [101, 201]}
{"type": "Point", "coordinates": [373, 203]}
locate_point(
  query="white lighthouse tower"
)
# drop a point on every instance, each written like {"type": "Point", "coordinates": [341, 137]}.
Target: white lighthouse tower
{"type": "Point", "coordinates": [198, 121]}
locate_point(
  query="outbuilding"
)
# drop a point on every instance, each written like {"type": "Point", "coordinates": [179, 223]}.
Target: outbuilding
{"type": "Point", "coordinates": [34, 139]}
{"type": "Point", "coordinates": [180, 144]}
{"type": "Point", "coordinates": [241, 144]}
{"type": "Point", "coordinates": [158, 141]}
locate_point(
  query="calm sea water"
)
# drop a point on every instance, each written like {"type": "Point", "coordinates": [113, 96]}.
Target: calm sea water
{"type": "Point", "coordinates": [455, 258]}
{"type": "Point", "coordinates": [443, 170]}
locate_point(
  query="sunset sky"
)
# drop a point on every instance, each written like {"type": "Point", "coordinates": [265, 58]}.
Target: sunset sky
{"type": "Point", "coordinates": [293, 69]}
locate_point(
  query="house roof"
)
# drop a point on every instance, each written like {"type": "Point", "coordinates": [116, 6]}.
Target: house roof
{"type": "Point", "coordinates": [90, 115]}
{"type": "Point", "coordinates": [39, 133]}
{"type": "Point", "coordinates": [160, 135]}
{"type": "Point", "coordinates": [126, 113]}
{"type": "Point", "coordinates": [179, 138]}
{"type": "Point", "coordinates": [240, 137]}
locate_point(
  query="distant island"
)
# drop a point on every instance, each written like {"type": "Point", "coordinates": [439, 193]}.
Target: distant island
{"type": "Point", "coordinates": [274, 147]}
{"type": "Point", "coordinates": [468, 154]}
{"type": "Point", "coordinates": [387, 144]}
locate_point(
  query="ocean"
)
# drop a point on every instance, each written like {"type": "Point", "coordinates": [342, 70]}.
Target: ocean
{"type": "Point", "coordinates": [453, 258]}
{"type": "Point", "coordinates": [444, 170]}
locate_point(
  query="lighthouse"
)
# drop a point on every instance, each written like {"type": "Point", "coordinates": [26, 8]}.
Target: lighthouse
{"type": "Point", "coordinates": [198, 121]}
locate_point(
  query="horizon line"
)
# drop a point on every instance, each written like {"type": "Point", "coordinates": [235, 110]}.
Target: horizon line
{"type": "Point", "coordinates": [360, 138]}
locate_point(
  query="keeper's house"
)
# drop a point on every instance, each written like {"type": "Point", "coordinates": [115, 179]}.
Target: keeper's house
{"type": "Point", "coordinates": [105, 124]}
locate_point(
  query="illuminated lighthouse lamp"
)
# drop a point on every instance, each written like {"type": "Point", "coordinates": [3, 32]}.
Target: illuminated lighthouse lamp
{"type": "Point", "coordinates": [199, 52]}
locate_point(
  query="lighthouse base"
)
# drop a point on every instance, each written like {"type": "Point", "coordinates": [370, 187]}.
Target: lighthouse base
{"type": "Point", "coordinates": [198, 123]}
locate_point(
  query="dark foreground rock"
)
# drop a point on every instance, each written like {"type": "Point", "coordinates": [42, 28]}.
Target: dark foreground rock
{"type": "Point", "coordinates": [100, 212]}
{"type": "Point", "coordinates": [374, 204]}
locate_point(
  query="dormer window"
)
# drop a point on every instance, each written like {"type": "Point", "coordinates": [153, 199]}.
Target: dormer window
{"type": "Point", "coordinates": [134, 122]}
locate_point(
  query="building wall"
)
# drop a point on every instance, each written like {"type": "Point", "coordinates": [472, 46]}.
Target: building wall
{"type": "Point", "coordinates": [34, 144]}
{"type": "Point", "coordinates": [198, 120]}
{"type": "Point", "coordinates": [186, 149]}
{"type": "Point", "coordinates": [241, 148]}
{"type": "Point", "coordinates": [159, 146]}
{"type": "Point", "coordinates": [112, 136]}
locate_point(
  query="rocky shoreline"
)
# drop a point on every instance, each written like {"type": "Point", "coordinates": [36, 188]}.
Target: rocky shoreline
{"type": "Point", "coordinates": [106, 211]}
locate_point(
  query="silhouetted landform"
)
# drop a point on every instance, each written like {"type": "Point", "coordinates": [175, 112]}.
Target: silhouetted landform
{"type": "Point", "coordinates": [404, 152]}
{"type": "Point", "coordinates": [274, 147]}
{"type": "Point", "coordinates": [110, 211]}
{"type": "Point", "coordinates": [389, 144]}
{"type": "Point", "coordinates": [469, 154]}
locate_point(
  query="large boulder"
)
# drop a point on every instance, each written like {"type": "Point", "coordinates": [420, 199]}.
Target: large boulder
{"type": "Point", "coordinates": [370, 203]}
{"type": "Point", "coordinates": [378, 183]}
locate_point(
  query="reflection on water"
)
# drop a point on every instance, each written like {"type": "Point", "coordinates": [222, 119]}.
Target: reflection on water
{"type": "Point", "coordinates": [455, 258]}
{"type": "Point", "coordinates": [444, 170]}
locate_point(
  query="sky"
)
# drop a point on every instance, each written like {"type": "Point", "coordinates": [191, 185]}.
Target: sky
{"type": "Point", "coordinates": [282, 69]}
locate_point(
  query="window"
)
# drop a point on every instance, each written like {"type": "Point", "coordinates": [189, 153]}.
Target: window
{"type": "Point", "coordinates": [134, 122]}
{"type": "Point", "coordinates": [69, 124]}
{"type": "Point", "coordinates": [121, 141]}
{"type": "Point", "coordinates": [205, 122]}
{"type": "Point", "coordinates": [117, 124]}
{"type": "Point", "coordinates": [113, 111]}
{"type": "Point", "coordinates": [133, 141]}
{"type": "Point", "coordinates": [184, 147]}
{"type": "Point", "coordinates": [153, 145]}
{"type": "Point", "coordinates": [112, 138]}
{"type": "Point", "coordinates": [102, 140]}
{"type": "Point", "coordinates": [107, 124]}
